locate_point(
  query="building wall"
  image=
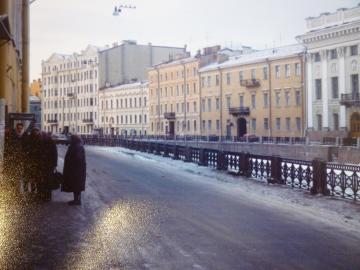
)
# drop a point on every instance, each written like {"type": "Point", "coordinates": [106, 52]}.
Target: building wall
{"type": "Point", "coordinates": [35, 88]}
{"type": "Point", "coordinates": [125, 109]}
{"type": "Point", "coordinates": [174, 88]}
{"type": "Point", "coordinates": [222, 87]}
{"type": "Point", "coordinates": [128, 62]}
{"type": "Point", "coordinates": [70, 93]}
{"type": "Point", "coordinates": [328, 34]}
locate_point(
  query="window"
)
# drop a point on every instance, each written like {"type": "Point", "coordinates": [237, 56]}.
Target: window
{"type": "Point", "coordinates": [297, 98]}
{"type": "Point", "coordinates": [355, 83]}
{"type": "Point", "coordinates": [336, 121]}
{"type": "Point", "coordinates": [277, 99]}
{"type": "Point", "coordinates": [194, 86]}
{"type": "Point", "coordinates": [277, 72]}
{"type": "Point", "coordinates": [228, 78]}
{"type": "Point", "coordinates": [194, 125]}
{"type": "Point", "coordinates": [266, 100]}
{"type": "Point", "coordinates": [319, 122]}
{"type": "Point", "coordinates": [266, 123]}
{"type": "Point", "coordinates": [195, 107]}
{"type": "Point", "coordinates": [318, 91]}
{"type": "Point", "coordinates": [209, 81]}
{"type": "Point", "coordinates": [253, 74]}
{"type": "Point", "coordinates": [354, 50]}
{"type": "Point", "coordinates": [209, 125]}
{"type": "Point", "coordinates": [333, 54]}
{"type": "Point", "coordinates": [217, 80]}
{"type": "Point", "coordinates": [204, 125]}
{"type": "Point", "coordinates": [288, 123]}
{"type": "Point", "coordinates": [217, 125]}
{"type": "Point", "coordinates": [287, 98]}
{"type": "Point", "coordinates": [335, 87]}
{"type": "Point", "coordinates": [187, 107]}
{"type": "Point", "coordinates": [253, 124]}
{"type": "Point", "coordinates": [298, 123]}
{"type": "Point", "coordinates": [253, 101]}
{"type": "Point", "coordinates": [317, 57]}
{"type": "Point", "coordinates": [266, 73]}
{"type": "Point", "coordinates": [241, 101]}
{"type": "Point", "coordinates": [202, 81]}
{"type": "Point", "coordinates": [287, 71]}
{"type": "Point", "coordinates": [217, 104]}
{"type": "Point", "coordinates": [209, 104]}
{"type": "Point", "coordinates": [203, 105]}
{"type": "Point", "coordinates": [297, 70]}
{"type": "Point", "coordinates": [228, 101]}
{"type": "Point", "coordinates": [241, 76]}
{"type": "Point", "coordinates": [278, 123]}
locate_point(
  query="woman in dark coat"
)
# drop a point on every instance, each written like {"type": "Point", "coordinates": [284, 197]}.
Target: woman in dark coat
{"type": "Point", "coordinates": [74, 170]}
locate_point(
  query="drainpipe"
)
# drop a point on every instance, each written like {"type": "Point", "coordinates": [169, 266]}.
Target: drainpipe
{"type": "Point", "coordinates": [4, 9]}
{"type": "Point", "coordinates": [158, 94]}
{"type": "Point", "coordinates": [200, 103]}
{"type": "Point", "coordinates": [185, 95]}
{"type": "Point", "coordinates": [25, 56]}
{"type": "Point", "coordinates": [221, 102]}
{"type": "Point", "coordinates": [303, 90]}
{"type": "Point", "coordinates": [270, 97]}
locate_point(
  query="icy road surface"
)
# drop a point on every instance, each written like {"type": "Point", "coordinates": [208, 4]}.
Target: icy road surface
{"type": "Point", "coordinates": [146, 212]}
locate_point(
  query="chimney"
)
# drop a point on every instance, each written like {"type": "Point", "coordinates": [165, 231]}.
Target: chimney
{"type": "Point", "coordinates": [221, 58]}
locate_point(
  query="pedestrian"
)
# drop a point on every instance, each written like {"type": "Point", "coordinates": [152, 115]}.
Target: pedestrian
{"type": "Point", "coordinates": [33, 162]}
{"type": "Point", "coordinates": [74, 172]}
{"type": "Point", "coordinates": [14, 157]}
{"type": "Point", "coordinates": [49, 163]}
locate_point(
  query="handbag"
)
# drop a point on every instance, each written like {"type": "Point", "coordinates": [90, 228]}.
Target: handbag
{"type": "Point", "coordinates": [55, 180]}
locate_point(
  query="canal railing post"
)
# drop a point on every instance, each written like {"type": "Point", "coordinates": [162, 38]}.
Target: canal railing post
{"type": "Point", "coordinates": [202, 157]}
{"type": "Point", "coordinates": [221, 161]}
{"type": "Point", "coordinates": [275, 174]}
{"type": "Point", "coordinates": [244, 164]}
{"type": "Point", "coordinates": [319, 178]}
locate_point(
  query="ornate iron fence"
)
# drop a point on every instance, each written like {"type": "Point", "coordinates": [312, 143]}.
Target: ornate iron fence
{"type": "Point", "coordinates": [297, 173]}
{"type": "Point", "coordinates": [260, 167]}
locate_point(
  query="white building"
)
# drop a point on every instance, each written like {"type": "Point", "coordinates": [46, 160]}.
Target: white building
{"type": "Point", "coordinates": [332, 71]}
{"type": "Point", "coordinates": [70, 92]}
{"type": "Point", "coordinates": [125, 109]}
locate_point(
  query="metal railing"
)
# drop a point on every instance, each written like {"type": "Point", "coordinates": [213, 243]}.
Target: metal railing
{"type": "Point", "coordinates": [317, 176]}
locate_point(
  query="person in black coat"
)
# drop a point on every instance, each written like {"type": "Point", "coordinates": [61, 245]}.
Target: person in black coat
{"type": "Point", "coordinates": [74, 170]}
{"type": "Point", "coordinates": [49, 164]}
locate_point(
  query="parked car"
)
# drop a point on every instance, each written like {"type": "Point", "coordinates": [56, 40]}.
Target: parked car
{"type": "Point", "coordinates": [60, 138]}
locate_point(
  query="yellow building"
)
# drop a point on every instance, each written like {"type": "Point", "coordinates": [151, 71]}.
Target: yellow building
{"type": "Point", "coordinates": [258, 93]}
{"type": "Point", "coordinates": [174, 98]}
{"type": "Point", "coordinates": [35, 87]}
{"type": "Point", "coordinates": [14, 55]}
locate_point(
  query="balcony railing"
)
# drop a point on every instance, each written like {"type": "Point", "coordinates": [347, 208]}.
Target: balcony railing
{"type": "Point", "coordinates": [52, 121]}
{"type": "Point", "coordinates": [349, 100]}
{"type": "Point", "coordinates": [170, 116]}
{"type": "Point", "coordinates": [239, 111]}
{"type": "Point", "coordinates": [250, 83]}
{"type": "Point", "coordinates": [88, 121]}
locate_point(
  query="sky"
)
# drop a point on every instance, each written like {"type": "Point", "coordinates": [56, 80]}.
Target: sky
{"type": "Point", "coordinates": [68, 26]}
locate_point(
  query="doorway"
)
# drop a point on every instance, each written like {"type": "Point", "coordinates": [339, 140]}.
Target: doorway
{"type": "Point", "coordinates": [241, 127]}
{"type": "Point", "coordinates": [355, 125]}
{"type": "Point", "coordinates": [171, 128]}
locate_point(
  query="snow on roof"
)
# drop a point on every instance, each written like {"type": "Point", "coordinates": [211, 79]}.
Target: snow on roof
{"type": "Point", "coordinates": [175, 62]}
{"type": "Point", "coordinates": [257, 56]}
{"type": "Point", "coordinates": [34, 99]}
{"type": "Point", "coordinates": [126, 86]}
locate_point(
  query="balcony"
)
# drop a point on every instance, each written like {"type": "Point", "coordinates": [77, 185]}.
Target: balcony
{"type": "Point", "coordinates": [350, 100]}
{"type": "Point", "coordinates": [250, 83]}
{"type": "Point", "coordinates": [52, 121]}
{"type": "Point", "coordinates": [240, 111]}
{"type": "Point", "coordinates": [88, 121]}
{"type": "Point", "coordinates": [170, 116]}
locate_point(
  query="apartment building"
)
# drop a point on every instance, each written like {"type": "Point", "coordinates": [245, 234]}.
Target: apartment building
{"type": "Point", "coordinates": [258, 93]}
{"type": "Point", "coordinates": [128, 62]}
{"type": "Point", "coordinates": [333, 66]}
{"type": "Point", "coordinates": [174, 97]}
{"type": "Point", "coordinates": [70, 92]}
{"type": "Point", "coordinates": [124, 109]}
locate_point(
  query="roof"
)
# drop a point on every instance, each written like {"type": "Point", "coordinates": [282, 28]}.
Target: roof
{"type": "Point", "coordinates": [257, 57]}
{"type": "Point", "coordinates": [34, 99]}
{"type": "Point", "coordinates": [126, 86]}
{"type": "Point", "coordinates": [174, 62]}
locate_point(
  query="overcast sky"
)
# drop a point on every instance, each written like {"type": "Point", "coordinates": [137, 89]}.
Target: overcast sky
{"type": "Point", "coordinates": [68, 26]}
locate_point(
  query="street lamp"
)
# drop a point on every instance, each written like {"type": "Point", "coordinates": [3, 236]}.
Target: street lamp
{"type": "Point", "coordinates": [73, 96]}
